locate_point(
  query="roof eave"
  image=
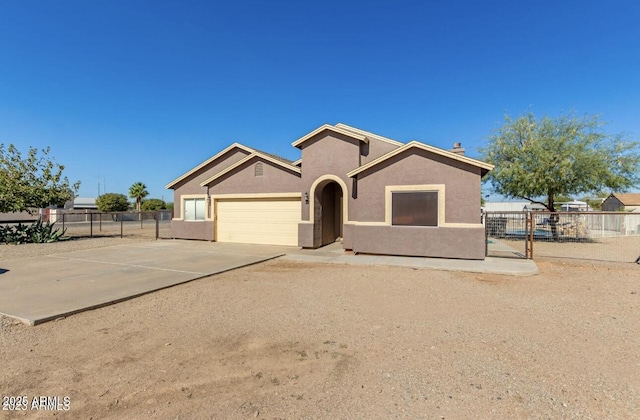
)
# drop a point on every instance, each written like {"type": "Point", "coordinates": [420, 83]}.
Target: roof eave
{"type": "Point", "coordinates": [477, 163]}
{"type": "Point", "coordinates": [207, 162]}
{"type": "Point", "coordinates": [369, 134]}
{"type": "Point", "coordinates": [324, 127]}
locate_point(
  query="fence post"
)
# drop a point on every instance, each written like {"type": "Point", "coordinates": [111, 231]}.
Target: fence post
{"type": "Point", "coordinates": [62, 221]}
{"type": "Point", "coordinates": [527, 229]}
{"type": "Point", "coordinates": [121, 220]}
{"type": "Point", "coordinates": [100, 216]}
{"type": "Point", "coordinates": [486, 236]}
{"type": "Point", "coordinates": [530, 247]}
{"type": "Point", "coordinates": [157, 217]}
{"type": "Point", "coordinates": [140, 213]}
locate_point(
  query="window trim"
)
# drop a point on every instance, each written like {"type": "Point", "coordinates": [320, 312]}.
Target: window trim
{"type": "Point", "coordinates": [396, 194]}
{"type": "Point", "coordinates": [184, 198]}
{"type": "Point", "coordinates": [390, 189]}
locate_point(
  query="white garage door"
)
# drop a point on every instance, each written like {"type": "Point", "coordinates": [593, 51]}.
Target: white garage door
{"type": "Point", "coordinates": [258, 221]}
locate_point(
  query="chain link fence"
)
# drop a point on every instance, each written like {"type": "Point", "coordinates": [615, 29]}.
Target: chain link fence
{"type": "Point", "coordinates": [151, 224]}
{"type": "Point", "coordinates": [603, 236]}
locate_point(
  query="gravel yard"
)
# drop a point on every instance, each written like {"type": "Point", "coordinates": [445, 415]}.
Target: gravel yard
{"type": "Point", "coordinates": [284, 339]}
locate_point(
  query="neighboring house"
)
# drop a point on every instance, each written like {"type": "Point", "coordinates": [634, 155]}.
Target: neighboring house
{"type": "Point", "coordinates": [18, 217]}
{"type": "Point", "coordinates": [534, 207]}
{"type": "Point", "coordinates": [81, 203]}
{"type": "Point", "coordinates": [375, 194]}
{"type": "Point", "coordinates": [621, 202]}
{"type": "Point", "coordinates": [51, 214]}
{"type": "Point", "coordinates": [84, 203]}
{"type": "Point", "coordinates": [575, 206]}
{"type": "Point", "coordinates": [507, 206]}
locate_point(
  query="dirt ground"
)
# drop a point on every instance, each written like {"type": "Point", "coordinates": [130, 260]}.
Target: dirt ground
{"type": "Point", "coordinates": [297, 340]}
{"type": "Point", "coordinates": [622, 249]}
{"type": "Point", "coordinates": [614, 249]}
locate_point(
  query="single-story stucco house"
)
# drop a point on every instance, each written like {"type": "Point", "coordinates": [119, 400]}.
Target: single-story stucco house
{"type": "Point", "coordinates": [375, 194]}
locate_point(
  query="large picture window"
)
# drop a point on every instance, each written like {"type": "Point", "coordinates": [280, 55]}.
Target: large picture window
{"type": "Point", "coordinates": [194, 209]}
{"type": "Point", "coordinates": [414, 208]}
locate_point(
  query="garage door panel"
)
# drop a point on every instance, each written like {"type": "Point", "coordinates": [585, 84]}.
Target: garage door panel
{"type": "Point", "coordinates": [258, 221]}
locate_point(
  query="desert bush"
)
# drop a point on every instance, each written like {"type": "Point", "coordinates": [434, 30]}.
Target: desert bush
{"type": "Point", "coordinates": [38, 233]}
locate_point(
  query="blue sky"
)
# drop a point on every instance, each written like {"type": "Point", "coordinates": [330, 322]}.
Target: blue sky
{"type": "Point", "coordinates": [127, 91]}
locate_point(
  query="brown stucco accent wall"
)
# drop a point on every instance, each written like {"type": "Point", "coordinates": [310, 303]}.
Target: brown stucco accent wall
{"type": "Point", "coordinates": [329, 156]}
{"type": "Point", "coordinates": [332, 154]}
{"type": "Point", "coordinates": [242, 180]}
{"type": "Point", "coordinates": [420, 241]}
{"type": "Point", "coordinates": [419, 167]}
{"type": "Point", "coordinates": [191, 184]}
{"type": "Point", "coordinates": [200, 230]}
{"type": "Point", "coordinates": [374, 149]}
{"type": "Point", "coordinates": [326, 154]}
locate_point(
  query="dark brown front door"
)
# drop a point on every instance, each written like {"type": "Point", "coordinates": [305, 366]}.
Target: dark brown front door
{"type": "Point", "coordinates": [331, 200]}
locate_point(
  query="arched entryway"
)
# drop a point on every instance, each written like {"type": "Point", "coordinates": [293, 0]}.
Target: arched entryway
{"type": "Point", "coordinates": [328, 212]}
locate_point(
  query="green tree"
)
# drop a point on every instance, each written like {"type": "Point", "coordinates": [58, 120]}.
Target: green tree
{"type": "Point", "coordinates": [542, 159]}
{"type": "Point", "coordinates": [595, 200]}
{"type": "Point", "coordinates": [138, 191]}
{"type": "Point", "coordinates": [559, 200]}
{"type": "Point", "coordinates": [112, 202]}
{"type": "Point", "coordinates": [32, 182]}
{"type": "Point", "coordinates": [153, 204]}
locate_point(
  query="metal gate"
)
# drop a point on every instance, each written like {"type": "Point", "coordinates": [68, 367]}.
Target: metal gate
{"type": "Point", "coordinates": [507, 234]}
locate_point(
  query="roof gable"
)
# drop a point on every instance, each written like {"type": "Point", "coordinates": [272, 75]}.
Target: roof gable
{"type": "Point", "coordinates": [485, 167]}
{"type": "Point", "coordinates": [209, 161]}
{"type": "Point", "coordinates": [628, 199]}
{"type": "Point", "coordinates": [327, 127]}
{"type": "Point", "coordinates": [249, 150]}
{"type": "Point", "coordinates": [253, 155]}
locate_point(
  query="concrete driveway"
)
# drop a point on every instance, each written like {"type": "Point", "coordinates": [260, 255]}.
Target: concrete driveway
{"type": "Point", "coordinates": [36, 290]}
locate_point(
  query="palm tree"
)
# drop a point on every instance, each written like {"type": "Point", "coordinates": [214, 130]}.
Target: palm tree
{"type": "Point", "coordinates": [138, 191]}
